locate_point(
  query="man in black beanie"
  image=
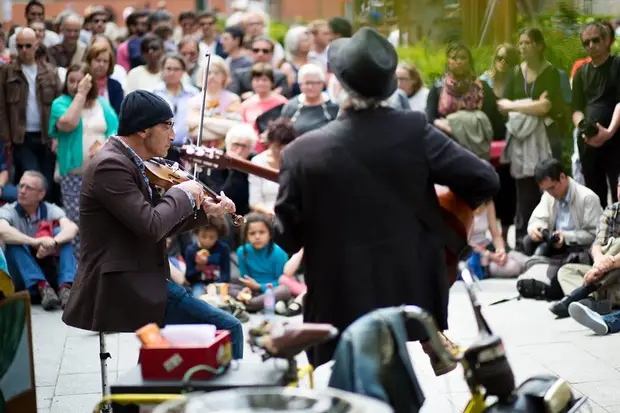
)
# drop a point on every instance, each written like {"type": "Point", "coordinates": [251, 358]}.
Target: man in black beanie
{"type": "Point", "coordinates": [122, 282]}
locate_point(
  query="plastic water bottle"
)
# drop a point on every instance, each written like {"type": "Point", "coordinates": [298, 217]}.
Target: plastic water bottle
{"type": "Point", "coordinates": [269, 303]}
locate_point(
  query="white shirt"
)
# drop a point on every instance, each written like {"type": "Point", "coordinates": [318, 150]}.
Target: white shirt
{"type": "Point", "coordinates": [140, 78]}
{"type": "Point", "coordinates": [418, 101]}
{"type": "Point", "coordinates": [261, 190]}
{"type": "Point", "coordinates": [33, 118]}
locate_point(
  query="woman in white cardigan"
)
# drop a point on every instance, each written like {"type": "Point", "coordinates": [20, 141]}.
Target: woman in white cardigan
{"type": "Point", "coordinates": [263, 193]}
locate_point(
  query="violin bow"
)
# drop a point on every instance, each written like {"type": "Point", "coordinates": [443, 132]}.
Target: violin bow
{"type": "Point", "coordinates": [203, 107]}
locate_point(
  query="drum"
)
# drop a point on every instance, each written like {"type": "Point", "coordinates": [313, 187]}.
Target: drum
{"type": "Point", "coordinates": [275, 399]}
{"type": "Point", "coordinates": [6, 284]}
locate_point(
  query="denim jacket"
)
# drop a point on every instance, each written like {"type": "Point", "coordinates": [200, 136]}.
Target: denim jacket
{"type": "Point", "coordinates": [372, 359]}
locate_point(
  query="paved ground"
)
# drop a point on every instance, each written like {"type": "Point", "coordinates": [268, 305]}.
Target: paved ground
{"type": "Point", "coordinates": [68, 381]}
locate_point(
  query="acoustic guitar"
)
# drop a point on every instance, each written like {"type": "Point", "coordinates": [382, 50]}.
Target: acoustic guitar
{"type": "Point", "coordinates": [455, 212]}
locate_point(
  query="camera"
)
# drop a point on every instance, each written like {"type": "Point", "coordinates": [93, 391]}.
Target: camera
{"type": "Point", "coordinates": [587, 128]}
{"type": "Point", "coordinates": [546, 243]}
{"type": "Point", "coordinates": [548, 237]}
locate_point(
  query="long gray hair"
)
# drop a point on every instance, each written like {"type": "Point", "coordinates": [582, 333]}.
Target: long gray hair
{"type": "Point", "coordinates": [349, 99]}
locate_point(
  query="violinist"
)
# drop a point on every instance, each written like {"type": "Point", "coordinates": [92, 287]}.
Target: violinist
{"type": "Point", "coordinates": [122, 281]}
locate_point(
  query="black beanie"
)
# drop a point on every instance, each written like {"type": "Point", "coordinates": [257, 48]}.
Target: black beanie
{"type": "Point", "coordinates": [141, 110]}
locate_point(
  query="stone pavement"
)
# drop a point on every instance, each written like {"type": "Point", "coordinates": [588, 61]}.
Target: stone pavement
{"type": "Point", "coordinates": [68, 380]}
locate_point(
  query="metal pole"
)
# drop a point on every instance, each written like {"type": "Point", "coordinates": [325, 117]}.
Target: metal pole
{"type": "Point", "coordinates": [103, 356]}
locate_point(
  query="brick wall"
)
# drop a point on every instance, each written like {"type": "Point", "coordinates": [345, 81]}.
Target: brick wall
{"type": "Point", "coordinates": [290, 9]}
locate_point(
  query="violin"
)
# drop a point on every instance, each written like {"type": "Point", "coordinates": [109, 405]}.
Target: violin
{"type": "Point", "coordinates": [165, 174]}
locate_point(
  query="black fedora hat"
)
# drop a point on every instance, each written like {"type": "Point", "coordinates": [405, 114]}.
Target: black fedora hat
{"type": "Point", "coordinates": [364, 63]}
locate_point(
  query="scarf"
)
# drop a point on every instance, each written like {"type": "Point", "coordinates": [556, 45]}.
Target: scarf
{"type": "Point", "coordinates": [102, 86]}
{"type": "Point", "coordinates": [452, 99]}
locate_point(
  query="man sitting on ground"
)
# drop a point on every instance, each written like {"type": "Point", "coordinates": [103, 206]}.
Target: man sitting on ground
{"type": "Point", "coordinates": [36, 232]}
{"type": "Point", "coordinates": [566, 216]}
{"type": "Point", "coordinates": [578, 281]}
{"type": "Point", "coordinates": [560, 230]}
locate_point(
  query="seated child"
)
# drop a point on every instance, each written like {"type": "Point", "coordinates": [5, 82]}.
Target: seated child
{"type": "Point", "coordinates": [207, 260]}
{"type": "Point", "coordinates": [261, 262]}
{"type": "Point", "coordinates": [490, 257]}
{"type": "Point", "coordinates": [297, 289]}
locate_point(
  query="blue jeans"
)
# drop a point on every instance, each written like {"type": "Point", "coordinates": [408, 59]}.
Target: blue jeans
{"type": "Point", "coordinates": [613, 321]}
{"type": "Point", "coordinates": [28, 267]}
{"type": "Point", "coordinates": [183, 308]}
{"type": "Point", "coordinates": [9, 193]}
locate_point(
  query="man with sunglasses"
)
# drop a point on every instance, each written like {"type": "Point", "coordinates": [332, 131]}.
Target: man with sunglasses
{"type": "Point", "coordinates": [27, 89]}
{"type": "Point", "coordinates": [262, 52]}
{"type": "Point", "coordinates": [596, 94]}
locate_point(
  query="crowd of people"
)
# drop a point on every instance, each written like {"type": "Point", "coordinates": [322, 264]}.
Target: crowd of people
{"type": "Point", "coordinates": [62, 84]}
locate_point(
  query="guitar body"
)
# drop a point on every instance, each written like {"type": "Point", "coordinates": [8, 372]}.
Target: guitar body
{"type": "Point", "coordinates": [460, 217]}
{"type": "Point", "coordinates": [455, 211]}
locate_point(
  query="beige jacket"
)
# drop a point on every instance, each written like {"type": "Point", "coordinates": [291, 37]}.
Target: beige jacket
{"type": "Point", "coordinates": [585, 210]}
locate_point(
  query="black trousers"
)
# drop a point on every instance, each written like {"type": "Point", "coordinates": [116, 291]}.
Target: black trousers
{"type": "Point", "coordinates": [600, 166]}
{"type": "Point", "coordinates": [528, 196]}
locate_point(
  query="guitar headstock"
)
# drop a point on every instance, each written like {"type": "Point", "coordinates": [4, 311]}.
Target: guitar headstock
{"type": "Point", "coordinates": [212, 158]}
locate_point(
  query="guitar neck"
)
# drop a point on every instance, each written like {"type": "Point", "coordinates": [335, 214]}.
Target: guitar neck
{"type": "Point", "coordinates": [251, 168]}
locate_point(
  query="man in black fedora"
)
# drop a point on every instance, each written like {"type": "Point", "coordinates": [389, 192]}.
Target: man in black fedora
{"type": "Point", "coordinates": [358, 194]}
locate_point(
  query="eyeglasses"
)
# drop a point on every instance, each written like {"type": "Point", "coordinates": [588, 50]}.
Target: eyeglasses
{"type": "Point", "coordinates": [258, 50]}
{"type": "Point", "coordinates": [24, 45]}
{"type": "Point", "coordinates": [595, 40]}
{"type": "Point", "coordinates": [209, 23]}
{"type": "Point", "coordinates": [500, 58]}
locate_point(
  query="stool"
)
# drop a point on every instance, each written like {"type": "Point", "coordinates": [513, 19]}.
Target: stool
{"type": "Point", "coordinates": [103, 357]}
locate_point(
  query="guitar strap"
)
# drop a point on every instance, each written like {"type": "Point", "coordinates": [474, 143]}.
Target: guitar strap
{"type": "Point", "coordinates": [431, 217]}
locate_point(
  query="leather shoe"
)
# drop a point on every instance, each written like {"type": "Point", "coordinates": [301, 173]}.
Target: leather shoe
{"type": "Point", "coordinates": [560, 309]}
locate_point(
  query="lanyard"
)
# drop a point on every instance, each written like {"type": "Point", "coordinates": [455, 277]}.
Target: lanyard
{"type": "Point", "coordinates": [531, 91]}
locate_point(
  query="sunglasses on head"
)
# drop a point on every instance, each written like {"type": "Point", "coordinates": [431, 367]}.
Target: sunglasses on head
{"type": "Point", "coordinates": [259, 50]}
{"type": "Point", "coordinates": [594, 40]}
{"type": "Point", "coordinates": [24, 46]}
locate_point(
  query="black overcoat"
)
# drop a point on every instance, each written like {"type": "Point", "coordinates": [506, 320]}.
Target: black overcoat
{"type": "Point", "coordinates": [346, 195]}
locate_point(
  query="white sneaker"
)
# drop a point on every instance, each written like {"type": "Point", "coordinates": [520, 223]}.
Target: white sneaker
{"type": "Point", "coordinates": [588, 318]}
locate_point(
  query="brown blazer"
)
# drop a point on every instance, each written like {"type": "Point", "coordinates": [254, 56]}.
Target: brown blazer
{"type": "Point", "coordinates": [120, 283]}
